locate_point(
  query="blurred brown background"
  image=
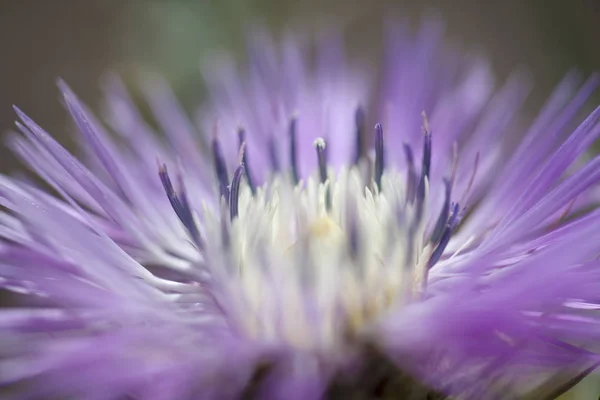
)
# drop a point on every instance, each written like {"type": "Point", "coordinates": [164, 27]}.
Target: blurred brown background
{"type": "Point", "coordinates": [79, 40]}
{"type": "Point", "coordinates": [43, 40]}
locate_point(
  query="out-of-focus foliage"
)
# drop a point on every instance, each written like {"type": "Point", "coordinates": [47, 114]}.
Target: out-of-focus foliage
{"type": "Point", "coordinates": [172, 36]}
{"type": "Point", "coordinates": [547, 36]}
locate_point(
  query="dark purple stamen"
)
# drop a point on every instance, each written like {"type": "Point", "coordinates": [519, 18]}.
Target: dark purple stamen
{"type": "Point", "coordinates": [448, 230]}
{"type": "Point", "coordinates": [225, 234]}
{"type": "Point", "coordinates": [293, 152]}
{"type": "Point", "coordinates": [272, 149]}
{"type": "Point", "coordinates": [379, 155]}
{"type": "Point", "coordinates": [359, 122]}
{"type": "Point", "coordinates": [234, 193]}
{"type": "Point", "coordinates": [220, 168]}
{"type": "Point", "coordinates": [426, 164]}
{"type": "Point", "coordinates": [352, 228]}
{"type": "Point", "coordinates": [180, 204]}
{"type": "Point", "coordinates": [443, 218]}
{"type": "Point", "coordinates": [242, 139]}
{"type": "Point", "coordinates": [411, 174]}
{"type": "Point", "coordinates": [320, 145]}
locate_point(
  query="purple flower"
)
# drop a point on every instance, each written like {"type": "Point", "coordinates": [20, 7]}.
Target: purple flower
{"type": "Point", "coordinates": [289, 251]}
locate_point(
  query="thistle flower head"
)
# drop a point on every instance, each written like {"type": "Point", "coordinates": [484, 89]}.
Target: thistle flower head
{"type": "Point", "coordinates": [288, 250]}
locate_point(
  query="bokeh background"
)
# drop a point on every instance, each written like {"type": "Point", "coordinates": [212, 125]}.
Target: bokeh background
{"type": "Point", "coordinates": [81, 40]}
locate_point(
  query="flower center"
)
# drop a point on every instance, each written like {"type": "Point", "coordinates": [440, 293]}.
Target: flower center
{"type": "Point", "coordinates": [315, 261]}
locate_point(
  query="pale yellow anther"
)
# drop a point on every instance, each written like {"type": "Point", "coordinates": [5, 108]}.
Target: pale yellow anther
{"type": "Point", "coordinates": [324, 227]}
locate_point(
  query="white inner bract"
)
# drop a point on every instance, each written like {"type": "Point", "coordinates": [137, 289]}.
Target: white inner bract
{"type": "Point", "coordinates": [290, 267]}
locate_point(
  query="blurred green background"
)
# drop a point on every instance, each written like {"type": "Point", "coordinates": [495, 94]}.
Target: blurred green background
{"type": "Point", "coordinates": [81, 40]}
